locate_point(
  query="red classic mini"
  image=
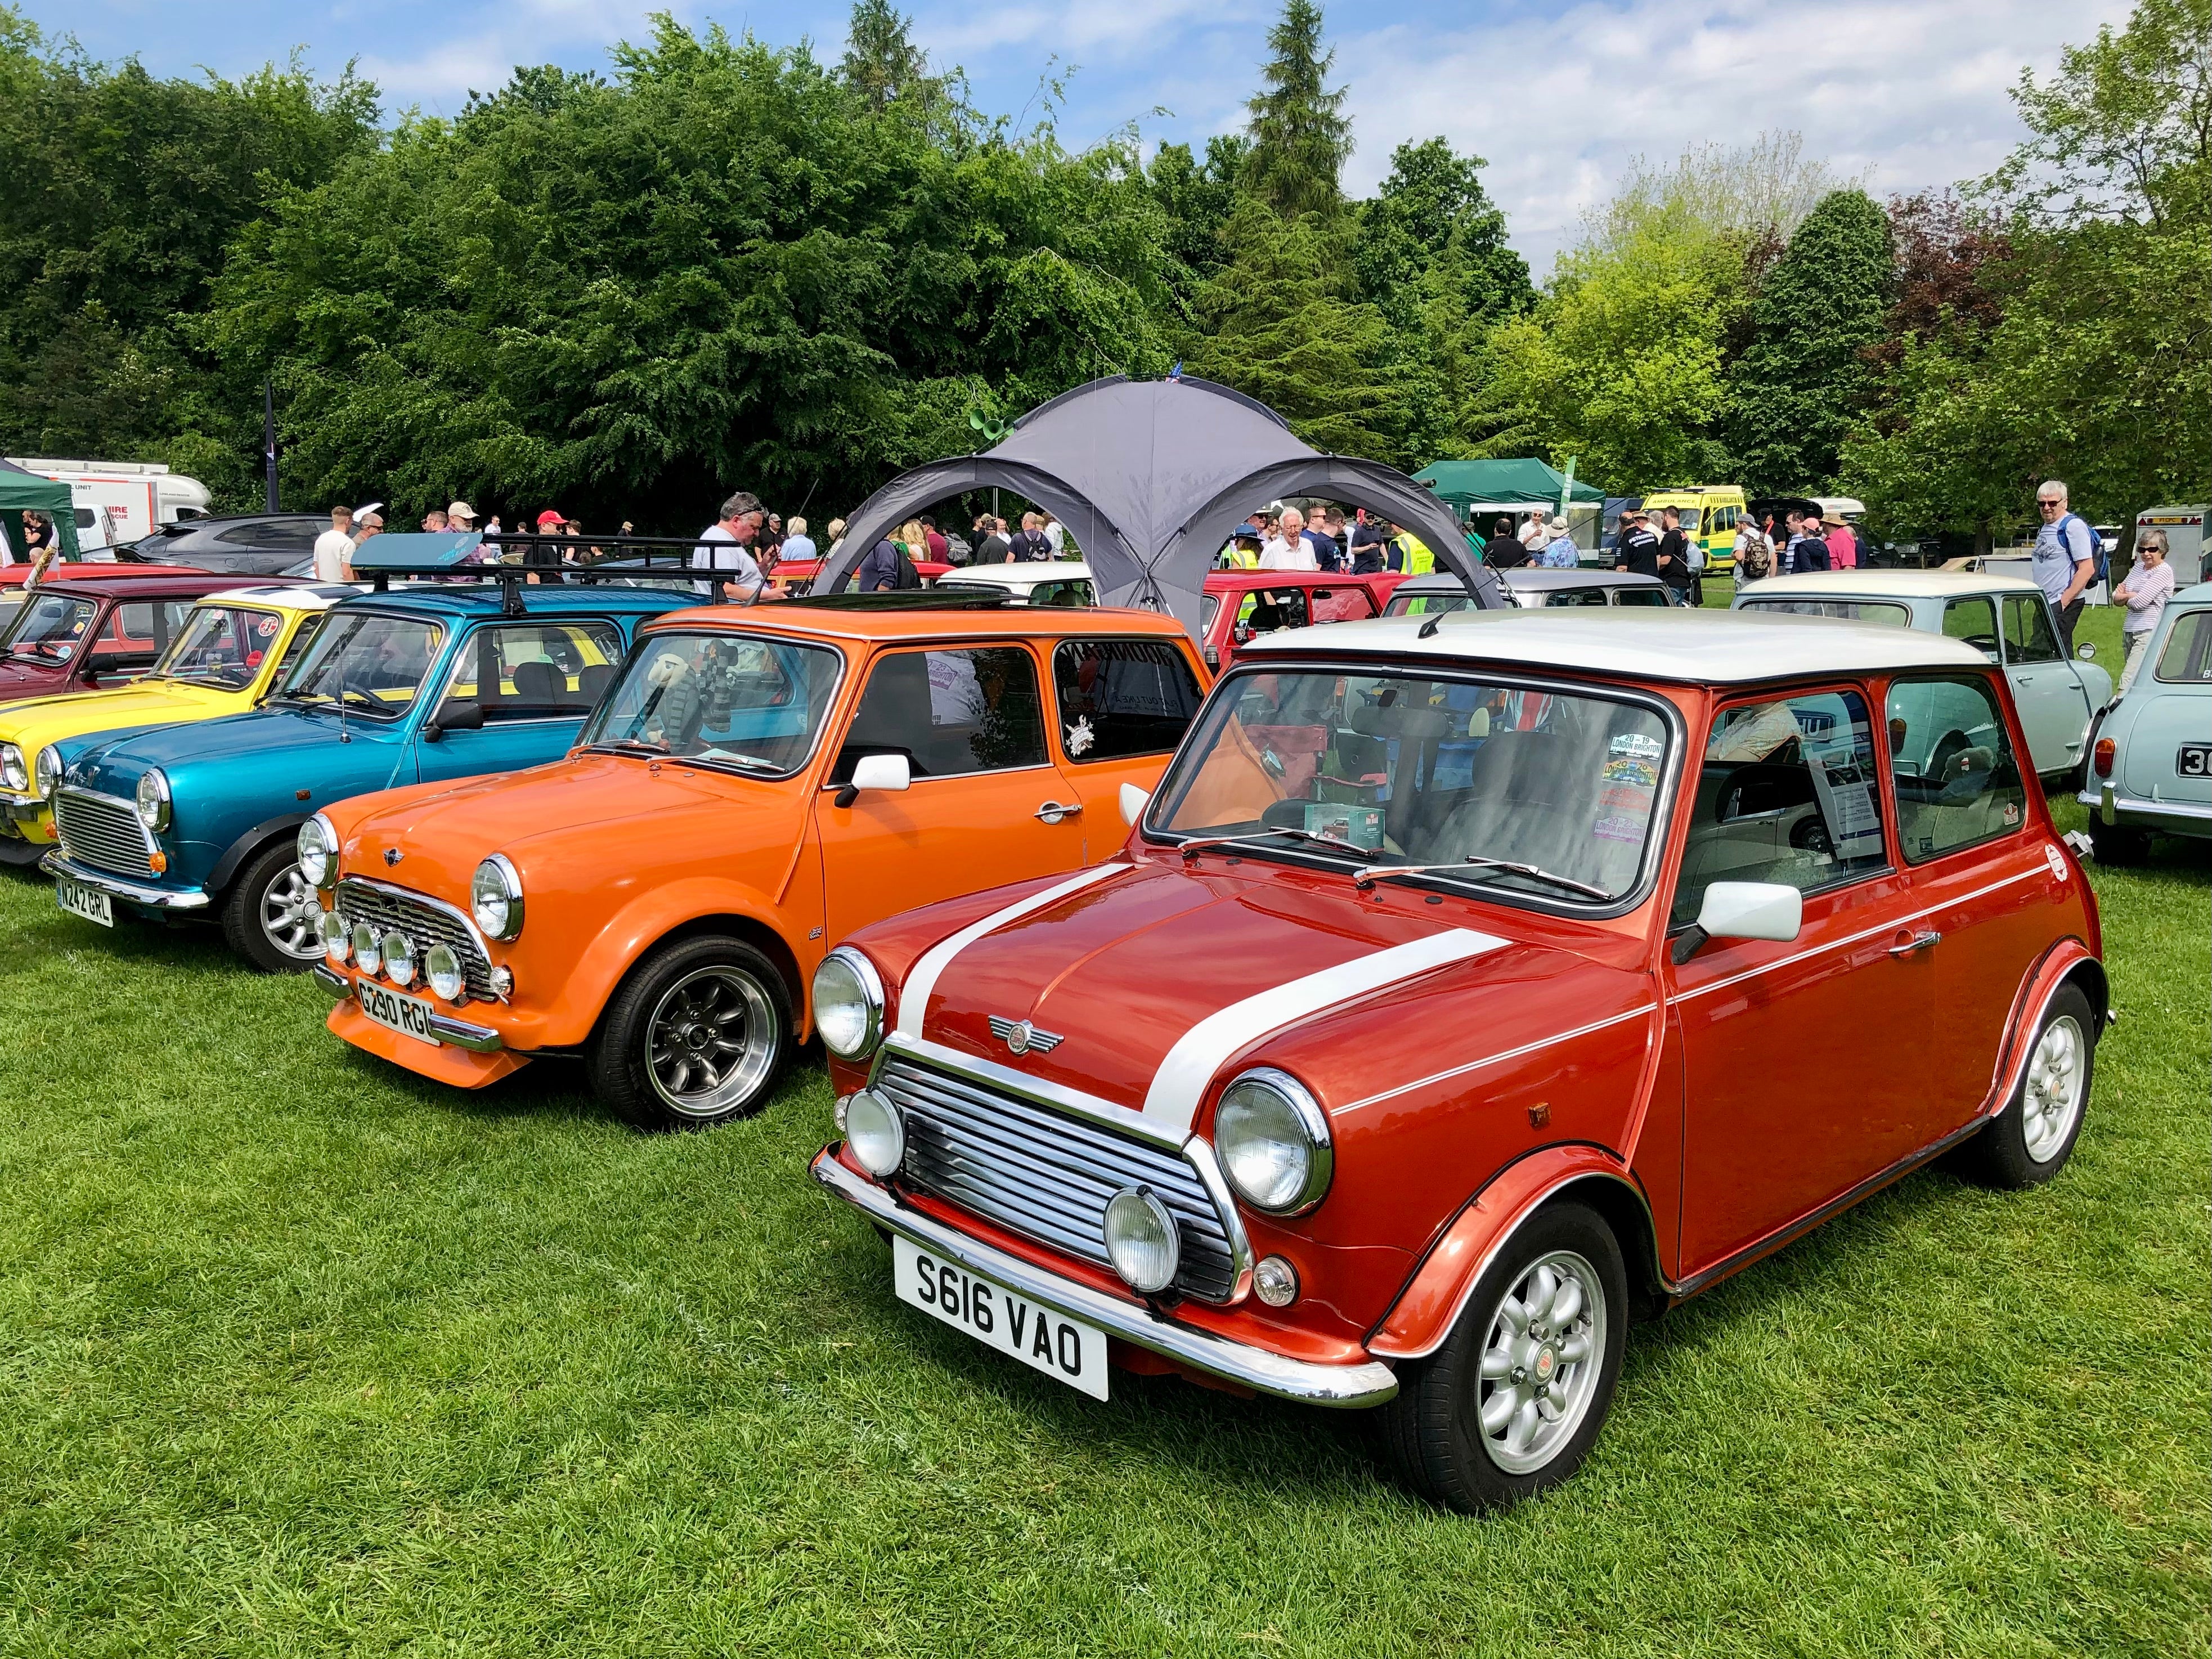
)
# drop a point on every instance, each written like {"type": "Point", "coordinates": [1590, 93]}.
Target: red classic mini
{"type": "Point", "coordinates": [1473, 985]}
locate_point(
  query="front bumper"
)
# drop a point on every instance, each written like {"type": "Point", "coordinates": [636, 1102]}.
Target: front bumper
{"type": "Point", "coordinates": [154, 898]}
{"type": "Point", "coordinates": [476, 1039]}
{"type": "Point", "coordinates": [1257, 1368]}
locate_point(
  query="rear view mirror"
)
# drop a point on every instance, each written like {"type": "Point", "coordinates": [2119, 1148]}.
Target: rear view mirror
{"type": "Point", "coordinates": [1744, 909]}
{"type": "Point", "coordinates": [1133, 802]}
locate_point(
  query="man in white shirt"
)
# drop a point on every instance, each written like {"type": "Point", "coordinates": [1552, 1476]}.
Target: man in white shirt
{"type": "Point", "coordinates": [334, 548]}
{"type": "Point", "coordinates": [737, 577]}
{"type": "Point", "coordinates": [1288, 549]}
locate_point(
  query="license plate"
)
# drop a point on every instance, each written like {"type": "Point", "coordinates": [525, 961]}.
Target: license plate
{"type": "Point", "coordinates": [1044, 1340]}
{"type": "Point", "coordinates": [408, 1015]}
{"type": "Point", "coordinates": [80, 900]}
{"type": "Point", "coordinates": [2195, 760]}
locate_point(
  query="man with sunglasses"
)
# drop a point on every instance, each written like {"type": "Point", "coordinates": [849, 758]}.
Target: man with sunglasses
{"type": "Point", "coordinates": [2065, 559]}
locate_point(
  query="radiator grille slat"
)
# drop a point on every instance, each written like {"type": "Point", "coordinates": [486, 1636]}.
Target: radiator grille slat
{"type": "Point", "coordinates": [101, 831]}
{"type": "Point", "coordinates": [424, 924]}
{"type": "Point", "coordinates": [1045, 1175]}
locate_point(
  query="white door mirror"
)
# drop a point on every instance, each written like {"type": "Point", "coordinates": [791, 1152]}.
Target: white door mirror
{"type": "Point", "coordinates": [1752, 909]}
{"type": "Point", "coordinates": [1134, 801]}
{"type": "Point", "coordinates": [882, 772]}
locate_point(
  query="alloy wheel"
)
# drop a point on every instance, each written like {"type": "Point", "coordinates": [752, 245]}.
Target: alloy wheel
{"type": "Point", "coordinates": [710, 1043]}
{"type": "Point", "coordinates": [2052, 1099]}
{"type": "Point", "coordinates": [1541, 1362]}
{"type": "Point", "coordinates": [292, 916]}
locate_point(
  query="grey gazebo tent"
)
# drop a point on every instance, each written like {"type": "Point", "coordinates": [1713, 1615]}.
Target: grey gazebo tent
{"type": "Point", "coordinates": [20, 490]}
{"type": "Point", "coordinates": [1150, 477]}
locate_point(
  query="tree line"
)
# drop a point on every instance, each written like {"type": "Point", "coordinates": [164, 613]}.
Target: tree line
{"type": "Point", "coordinates": [725, 262]}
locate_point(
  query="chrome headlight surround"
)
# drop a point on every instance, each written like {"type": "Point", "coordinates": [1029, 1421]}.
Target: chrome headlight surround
{"type": "Point", "coordinates": [319, 853]}
{"type": "Point", "coordinates": [496, 897]}
{"type": "Point", "coordinates": [153, 799]}
{"type": "Point", "coordinates": [399, 953]}
{"type": "Point", "coordinates": [13, 774]}
{"type": "Point", "coordinates": [1142, 1240]}
{"type": "Point", "coordinates": [46, 773]}
{"type": "Point", "coordinates": [848, 1004]}
{"type": "Point", "coordinates": [1272, 1141]}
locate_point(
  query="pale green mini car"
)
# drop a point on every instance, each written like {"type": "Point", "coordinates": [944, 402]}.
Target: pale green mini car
{"type": "Point", "coordinates": [2150, 757]}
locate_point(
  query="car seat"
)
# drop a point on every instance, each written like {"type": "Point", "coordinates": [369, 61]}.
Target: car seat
{"type": "Point", "coordinates": [537, 685]}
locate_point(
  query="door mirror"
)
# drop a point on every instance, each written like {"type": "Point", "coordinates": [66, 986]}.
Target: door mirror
{"type": "Point", "coordinates": [1743, 910]}
{"type": "Point", "coordinates": [454, 717]}
{"type": "Point", "coordinates": [1133, 802]}
{"type": "Point", "coordinates": [2086, 651]}
{"type": "Point", "coordinates": [882, 772]}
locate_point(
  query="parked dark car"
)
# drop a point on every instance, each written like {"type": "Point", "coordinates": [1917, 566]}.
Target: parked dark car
{"type": "Point", "coordinates": [245, 544]}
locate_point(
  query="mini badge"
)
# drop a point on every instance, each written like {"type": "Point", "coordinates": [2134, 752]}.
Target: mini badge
{"type": "Point", "coordinates": [393, 855]}
{"type": "Point", "coordinates": [1022, 1037]}
{"type": "Point", "coordinates": [2011, 813]}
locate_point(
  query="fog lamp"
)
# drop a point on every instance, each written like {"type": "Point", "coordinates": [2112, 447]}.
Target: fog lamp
{"type": "Point", "coordinates": [1141, 1240]}
{"type": "Point", "coordinates": [337, 937]}
{"type": "Point", "coordinates": [366, 954]}
{"type": "Point", "coordinates": [398, 952]}
{"type": "Point", "coordinates": [1276, 1281]}
{"type": "Point", "coordinates": [876, 1134]}
{"type": "Point", "coordinates": [502, 980]}
{"type": "Point", "coordinates": [442, 968]}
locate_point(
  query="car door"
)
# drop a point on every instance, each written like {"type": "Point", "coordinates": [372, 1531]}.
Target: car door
{"type": "Point", "coordinates": [1792, 1050]}
{"type": "Point", "coordinates": [534, 682]}
{"type": "Point", "coordinates": [986, 803]}
{"type": "Point", "coordinates": [2054, 709]}
{"type": "Point", "coordinates": [131, 639]}
{"type": "Point", "coordinates": [1120, 707]}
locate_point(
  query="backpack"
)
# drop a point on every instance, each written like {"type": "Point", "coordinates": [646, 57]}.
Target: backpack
{"type": "Point", "coordinates": [2102, 560]}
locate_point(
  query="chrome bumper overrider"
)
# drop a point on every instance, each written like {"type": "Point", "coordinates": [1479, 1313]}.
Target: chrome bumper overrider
{"type": "Point", "coordinates": [2109, 804]}
{"type": "Point", "coordinates": [476, 1039]}
{"type": "Point", "coordinates": [162, 898]}
{"type": "Point", "coordinates": [1367, 1384]}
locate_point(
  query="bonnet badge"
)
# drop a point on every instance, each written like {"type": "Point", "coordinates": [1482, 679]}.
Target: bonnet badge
{"type": "Point", "coordinates": [1021, 1036]}
{"type": "Point", "coordinates": [393, 855]}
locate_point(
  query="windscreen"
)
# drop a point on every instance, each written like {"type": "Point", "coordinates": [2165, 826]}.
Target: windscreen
{"type": "Point", "coordinates": [374, 665]}
{"type": "Point", "coordinates": [1868, 610]}
{"type": "Point", "coordinates": [742, 702]}
{"type": "Point", "coordinates": [49, 627]}
{"type": "Point", "coordinates": [1402, 770]}
{"type": "Point", "coordinates": [222, 645]}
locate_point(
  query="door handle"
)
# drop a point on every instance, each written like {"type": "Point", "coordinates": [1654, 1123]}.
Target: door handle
{"type": "Point", "coordinates": [1052, 812]}
{"type": "Point", "coordinates": [1926, 938]}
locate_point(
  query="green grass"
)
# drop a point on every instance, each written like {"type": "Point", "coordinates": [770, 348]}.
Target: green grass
{"type": "Point", "coordinates": [302, 1355]}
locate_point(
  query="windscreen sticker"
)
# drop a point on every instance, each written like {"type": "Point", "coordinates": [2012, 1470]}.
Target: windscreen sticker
{"type": "Point", "coordinates": [1621, 826]}
{"type": "Point", "coordinates": [1635, 774]}
{"type": "Point", "coordinates": [1639, 743]}
{"type": "Point", "coordinates": [265, 626]}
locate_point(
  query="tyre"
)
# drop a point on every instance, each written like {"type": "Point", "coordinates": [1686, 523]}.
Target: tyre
{"type": "Point", "coordinates": [697, 1035]}
{"type": "Point", "coordinates": [272, 915]}
{"type": "Point", "coordinates": [1513, 1402]}
{"type": "Point", "coordinates": [2029, 1140]}
{"type": "Point", "coordinates": [2117, 844]}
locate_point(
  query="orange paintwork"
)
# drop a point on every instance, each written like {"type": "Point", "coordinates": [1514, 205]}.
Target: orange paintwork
{"type": "Point", "coordinates": [618, 851]}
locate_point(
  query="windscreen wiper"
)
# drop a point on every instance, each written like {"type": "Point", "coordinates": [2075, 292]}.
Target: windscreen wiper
{"type": "Point", "coordinates": [1368, 875]}
{"type": "Point", "coordinates": [1191, 849]}
{"type": "Point", "coordinates": [618, 745]}
{"type": "Point", "coordinates": [740, 762]}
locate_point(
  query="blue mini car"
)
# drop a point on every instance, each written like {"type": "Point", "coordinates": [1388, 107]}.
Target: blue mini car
{"type": "Point", "coordinates": [2150, 757]}
{"type": "Point", "coordinates": [411, 686]}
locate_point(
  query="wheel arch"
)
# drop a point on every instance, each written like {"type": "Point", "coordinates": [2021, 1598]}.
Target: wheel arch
{"type": "Point", "coordinates": [735, 924]}
{"type": "Point", "coordinates": [249, 845]}
{"type": "Point", "coordinates": [2066, 963]}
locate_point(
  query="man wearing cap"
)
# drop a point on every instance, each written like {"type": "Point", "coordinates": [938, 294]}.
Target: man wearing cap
{"type": "Point", "coordinates": [737, 577]}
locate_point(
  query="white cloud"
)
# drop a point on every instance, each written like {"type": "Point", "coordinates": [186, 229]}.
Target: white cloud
{"type": "Point", "coordinates": [1911, 92]}
{"type": "Point", "coordinates": [440, 76]}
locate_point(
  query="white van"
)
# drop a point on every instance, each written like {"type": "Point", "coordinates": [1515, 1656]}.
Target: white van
{"type": "Point", "coordinates": [118, 501]}
{"type": "Point", "coordinates": [2185, 538]}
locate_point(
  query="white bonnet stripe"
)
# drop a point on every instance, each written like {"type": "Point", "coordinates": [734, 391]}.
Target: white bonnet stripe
{"type": "Point", "coordinates": [1181, 1082]}
{"type": "Point", "coordinates": [914, 995]}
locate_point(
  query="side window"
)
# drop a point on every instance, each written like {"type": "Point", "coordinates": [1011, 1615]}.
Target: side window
{"type": "Point", "coordinates": [2187, 656]}
{"type": "Point", "coordinates": [295, 650]}
{"type": "Point", "coordinates": [1266, 610]}
{"type": "Point", "coordinates": [1957, 781]}
{"type": "Point", "coordinates": [950, 713]}
{"type": "Point", "coordinates": [1787, 793]}
{"type": "Point", "coordinates": [139, 631]}
{"type": "Point", "coordinates": [1573, 595]}
{"type": "Point", "coordinates": [1638, 596]}
{"type": "Point", "coordinates": [1122, 698]}
{"type": "Point", "coordinates": [2028, 637]}
{"type": "Point", "coordinates": [1062, 594]}
{"type": "Point", "coordinates": [1342, 604]}
{"type": "Point", "coordinates": [1974, 621]}
{"type": "Point", "coordinates": [535, 670]}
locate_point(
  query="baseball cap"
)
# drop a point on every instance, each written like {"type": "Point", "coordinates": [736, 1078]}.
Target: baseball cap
{"type": "Point", "coordinates": [461, 510]}
{"type": "Point", "coordinates": [549, 516]}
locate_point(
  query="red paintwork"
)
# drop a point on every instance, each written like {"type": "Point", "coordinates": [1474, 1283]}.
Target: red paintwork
{"type": "Point", "coordinates": [32, 675]}
{"type": "Point", "coordinates": [1330, 590]}
{"type": "Point", "coordinates": [1727, 1103]}
{"type": "Point", "coordinates": [790, 573]}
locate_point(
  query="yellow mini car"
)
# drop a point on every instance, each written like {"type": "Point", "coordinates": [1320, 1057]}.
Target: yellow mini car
{"type": "Point", "coordinates": [231, 648]}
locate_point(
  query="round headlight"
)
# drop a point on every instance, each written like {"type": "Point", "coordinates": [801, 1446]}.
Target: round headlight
{"type": "Point", "coordinates": [12, 774]}
{"type": "Point", "coordinates": [365, 952]}
{"type": "Point", "coordinates": [154, 798]}
{"type": "Point", "coordinates": [337, 937]}
{"type": "Point", "coordinates": [1141, 1240]}
{"type": "Point", "coordinates": [496, 897]}
{"type": "Point", "coordinates": [398, 952]}
{"type": "Point", "coordinates": [1273, 1140]}
{"type": "Point", "coordinates": [318, 851]}
{"type": "Point", "coordinates": [46, 773]}
{"type": "Point", "coordinates": [443, 971]}
{"type": "Point", "coordinates": [848, 1004]}
{"type": "Point", "coordinates": [876, 1134]}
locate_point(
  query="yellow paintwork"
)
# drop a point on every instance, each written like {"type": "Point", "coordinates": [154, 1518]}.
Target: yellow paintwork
{"type": "Point", "coordinates": [1707, 502]}
{"type": "Point", "coordinates": [35, 722]}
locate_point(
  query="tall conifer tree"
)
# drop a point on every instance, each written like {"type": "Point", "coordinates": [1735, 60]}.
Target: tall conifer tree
{"type": "Point", "coordinates": [1301, 136]}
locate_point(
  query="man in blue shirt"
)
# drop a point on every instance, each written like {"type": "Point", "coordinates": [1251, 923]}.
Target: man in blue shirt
{"type": "Point", "coordinates": [2065, 560]}
{"type": "Point", "coordinates": [1560, 552]}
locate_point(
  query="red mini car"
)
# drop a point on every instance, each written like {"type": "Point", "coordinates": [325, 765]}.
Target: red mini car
{"type": "Point", "coordinates": [1239, 606]}
{"type": "Point", "coordinates": [89, 631]}
{"type": "Point", "coordinates": [1471, 985]}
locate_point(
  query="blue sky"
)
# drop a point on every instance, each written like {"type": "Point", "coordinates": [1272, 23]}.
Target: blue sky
{"type": "Point", "coordinates": [1908, 94]}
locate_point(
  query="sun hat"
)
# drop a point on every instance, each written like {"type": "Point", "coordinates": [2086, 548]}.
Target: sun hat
{"type": "Point", "coordinates": [1557, 526]}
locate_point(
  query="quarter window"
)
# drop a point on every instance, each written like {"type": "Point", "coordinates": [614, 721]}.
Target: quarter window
{"type": "Point", "coordinates": [1122, 697]}
{"type": "Point", "coordinates": [1787, 793]}
{"type": "Point", "coordinates": [1974, 621]}
{"type": "Point", "coordinates": [2028, 636]}
{"type": "Point", "coordinates": [2187, 656]}
{"type": "Point", "coordinates": [535, 670]}
{"type": "Point", "coordinates": [1957, 781]}
{"type": "Point", "coordinates": [950, 713]}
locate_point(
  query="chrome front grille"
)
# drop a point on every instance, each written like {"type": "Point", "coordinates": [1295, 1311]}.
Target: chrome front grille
{"type": "Point", "coordinates": [422, 922]}
{"type": "Point", "coordinates": [1045, 1175]}
{"type": "Point", "coordinates": [101, 831]}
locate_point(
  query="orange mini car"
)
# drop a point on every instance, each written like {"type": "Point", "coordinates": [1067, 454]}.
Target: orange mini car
{"type": "Point", "coordinates": [754, 782]}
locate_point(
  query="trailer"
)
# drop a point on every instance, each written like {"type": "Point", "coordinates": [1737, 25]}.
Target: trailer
{"type": "Point", "coordinates": [118, 501]}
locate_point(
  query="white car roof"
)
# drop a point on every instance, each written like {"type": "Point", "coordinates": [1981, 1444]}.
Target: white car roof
{"type": "Point", "coordinates": [1883, 585]}
{"type": "Point", "coordinates": [1702, 647]}
{"type": "Point", "coordinates": [296, 598]}
{"type": "Point", "coordinates": [1026, 572]}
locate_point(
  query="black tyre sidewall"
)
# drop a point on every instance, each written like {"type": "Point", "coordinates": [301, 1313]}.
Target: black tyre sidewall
{"type": "Point", "coordinates": [1999, 1155]}
{"type": "Point", "coordinates": [616, 1058]}
{"type": "Point", "coordinates": [241, 912]}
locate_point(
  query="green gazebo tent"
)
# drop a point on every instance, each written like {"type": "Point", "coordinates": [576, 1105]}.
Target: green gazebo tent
{"type": "Point", "coordinates": [19, 491]}
{"type": "Point", "coordinates": [1523, 483]}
